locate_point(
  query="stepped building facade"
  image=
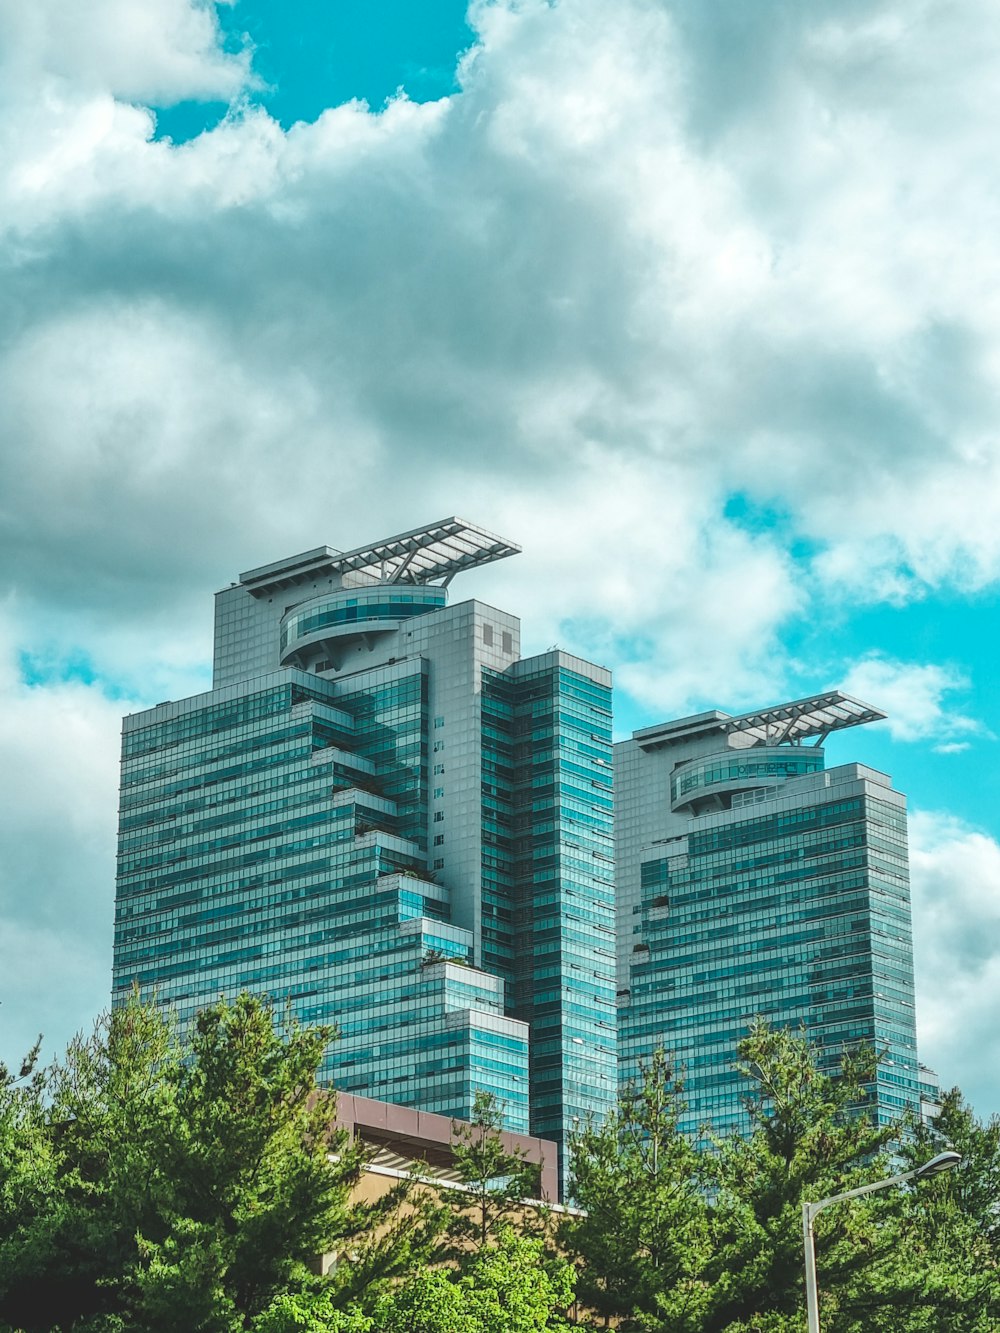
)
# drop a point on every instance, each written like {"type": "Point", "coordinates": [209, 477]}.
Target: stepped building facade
{"type": "Point", "coordinates": [387, 819]}
{"type": "Point", "coordinates": [384, 817]}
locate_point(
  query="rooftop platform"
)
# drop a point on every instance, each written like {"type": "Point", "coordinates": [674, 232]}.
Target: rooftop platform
{"type": "Point", "coordinates": [433, 554]}
{"type": "Point", "coordinates": [784, 724]}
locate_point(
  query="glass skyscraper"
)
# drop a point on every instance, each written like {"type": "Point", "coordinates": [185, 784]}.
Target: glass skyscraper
{"type": "Point", "coordinates": [754, 881]}
{"type": "Point", "coordinates": [385, 817]}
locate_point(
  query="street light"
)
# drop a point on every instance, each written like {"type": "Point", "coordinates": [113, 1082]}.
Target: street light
{"type": "Point", "coordinates": [944, 1161]}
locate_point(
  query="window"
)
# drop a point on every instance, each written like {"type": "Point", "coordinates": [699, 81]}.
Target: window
{"type": "Point", "coordinates": [439, 863]}
{"type": "Point", "coordinates": [438, 769]}
{"type": "Point", "coordinates": [438, 816]}
{"type": "Point", "coordinates": [488, 635]}
{"type": "Point", "coordinates": [438, 791]}
{"type": "Point", "coordinates": [438, 723]}
{"type": "Point", "coordinates": [438, 839]}
{"type": "Point", "coordinates": [507, 640]}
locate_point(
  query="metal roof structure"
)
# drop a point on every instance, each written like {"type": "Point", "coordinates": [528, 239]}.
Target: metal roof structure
{"type": "Point", "coordinates": [816, 716]}
{"type": "Point", "coordinates": [784, 724]}
{"type": "Point", "coordinates": [434, 554]}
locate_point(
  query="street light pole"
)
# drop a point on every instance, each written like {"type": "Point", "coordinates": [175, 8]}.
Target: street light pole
{"type": "Point", "coordinates": [944, 1161]}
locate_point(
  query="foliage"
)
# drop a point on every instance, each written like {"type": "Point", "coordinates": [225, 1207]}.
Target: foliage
{"type": "Point", "coordinates": [495, 1181]}
{"type": "Point", "coordinates": [26, 1169]}
{"type": "Point", "coordinates": [154, 1190]}
{"type": "Point", "coordinates": [150, 1188]}
{"type": "Point", "coordinates": [643, 1239]}
{"type": "Point", "coordinates": [676, 1241]}
{"type": "Point", "coordinates": [430, 1302]}
{"type": "Point", "coordinates": [508, 1287]}
{"type": "Point", "coordinates": [28, 1065]}
{"type": "Point", "coordinates": [952, 1227]}
{"type": "Point", "coordinates": [810, 1138]}
{"type": "Point", "coordinates": [309, 1312]}
{"type": "Point", "coordinates": [975, 1187]}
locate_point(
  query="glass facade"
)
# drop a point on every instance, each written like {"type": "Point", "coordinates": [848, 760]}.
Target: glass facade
{"type": "Point", "coordinates": [387, 819]}
{"type": "Point", "coordinates": [548, 883]}
{"type": "Point", "coordinates": [358, 604]}
{"type": "Point", "coordinates": [275, 841]}
{"type": "Point", "coordinates": [790, 902]}
{"type": "Point", "coordinates": [746, 770]}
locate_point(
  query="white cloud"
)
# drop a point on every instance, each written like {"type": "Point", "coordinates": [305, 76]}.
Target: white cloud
{"type": "Point", "coordinates": [610, 246]}
{"type": "Point", "coordinates": [154, 448]}
{"type": "Point", "coordinates": [955, 875]}
{"type": "Point", "coordinates": [681, 605]}
{"type": "Point", "coordinates": [160, 51]}
{"type": "Point", "coordinates": [568, 257]}
{"type": "Point", "coordinates": [649, 256]}
{"type": "Point", "coordinates": [58, 792]}
{"type": "Point", "coordinates": [914, 697]}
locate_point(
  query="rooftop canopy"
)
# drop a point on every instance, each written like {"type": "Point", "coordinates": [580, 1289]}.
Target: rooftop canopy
{"type": "Point", "coordinates": [434, 554]}
{"type": "Point", "coordinates": [785, 724]}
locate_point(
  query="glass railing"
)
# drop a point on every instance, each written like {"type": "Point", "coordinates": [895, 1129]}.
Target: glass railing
{"type": "Point", "coordinates": [759, 767]}
{"type": "Point", "coordinates": [361, 605]}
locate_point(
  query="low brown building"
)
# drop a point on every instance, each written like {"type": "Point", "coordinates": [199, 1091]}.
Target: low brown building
{"type": "Point", "coordinates": [419, 1144]}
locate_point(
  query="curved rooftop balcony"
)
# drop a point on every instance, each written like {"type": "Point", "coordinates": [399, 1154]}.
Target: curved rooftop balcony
{"type": "Point", "coordinates": [351, 613]}
{"type": "Point", "coordinates": [712, 782]}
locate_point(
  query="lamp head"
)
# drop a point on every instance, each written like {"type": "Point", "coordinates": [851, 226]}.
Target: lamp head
{"type": "Point", "coordinates": [944, 1161]}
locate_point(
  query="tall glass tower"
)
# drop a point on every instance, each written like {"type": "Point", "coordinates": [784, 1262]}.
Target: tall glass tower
{"type": "Point", "coordinates": [384, 816]}
{"type": "Point", "coordinates": [754, 881]}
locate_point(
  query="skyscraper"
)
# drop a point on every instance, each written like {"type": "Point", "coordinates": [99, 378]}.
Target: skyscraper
{"type": "Point", "coordinates": [753, 881]}
{"type": "Point", "coordinates": [384, 816]}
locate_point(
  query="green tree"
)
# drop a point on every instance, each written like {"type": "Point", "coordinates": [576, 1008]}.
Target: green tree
{"type": "Point", "coordinates": [183, 1190]}
{"type": "Point", "coordinates": [676, 1240]}
{"type": "Point", "coordinates": [951, 1244]}
{"type": "Point", "coordinates": [509, 1287]}
{"type": "Point", "coordinates": [495, 1180]}
{"type": "Point", "coordinates": [810, 1138]}
{"type": "Point", "coordinates": [85, 1120]}
{"type": "Point", "coordinates": [29, 1064]}
{"type": "Point", "coordinates": [26, 1170]}
{"type": "Point", "coordinates": [429, 1302]}
{"type": "Point", "coordinates": [310, 1312]}
{"type": "Point", "coordinates": [881, 1263]}
{"type": "Point", "coordinates": [513, 1288]}
{"type": "Point", "coordinates": [975, 1186]}
{"type": "Point", "coordinates": [642, 1241]}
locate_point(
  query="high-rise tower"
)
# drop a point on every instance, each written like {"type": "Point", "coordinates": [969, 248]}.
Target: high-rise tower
{"type": "Point", "coordinates": [753, 881]}
{"type": "Point", "coordinates": [382, 814]}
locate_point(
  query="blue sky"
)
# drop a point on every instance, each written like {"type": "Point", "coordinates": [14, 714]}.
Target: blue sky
{"type": "Point", "coordinates": [312, 54]}
{"type": "Point", "coordinates": [697, 303]}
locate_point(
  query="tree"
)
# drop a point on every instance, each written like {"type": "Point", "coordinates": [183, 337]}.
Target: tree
{"type": "Point", "coordinates": [494, 1180]}
{"type": "Point", "coordinates": [975, 1186]}
{"type": "Point", "coordinates": [509, 1287]}
{"type": "Point", "coordinates": [28, 1066]}
{"type": "Point", "coordinates": [513, 1288]}
{"type": "Point", "coordinates": [310, 1312]}
{"type": "Point", "coordinates": [952, 1231]}
{"type": "Point", "coordinates": [811, 1138]}
{"type": "Point", "coordinates": [429, 1302]}
{"type": "Point", "coordinates": [182, 1189]}
{"type": "Point", "coordinates": [677, 1240]}
{"type": "Point", "coordinates": [643, 1239]}
{"type": "Point", "coordinates": [26, 1169]}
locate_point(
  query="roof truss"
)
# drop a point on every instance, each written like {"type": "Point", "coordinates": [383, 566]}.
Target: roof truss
{"type": "Point", "coordinates": [430, 555]}
{"type": "Point", "coordinates": [794, 722]}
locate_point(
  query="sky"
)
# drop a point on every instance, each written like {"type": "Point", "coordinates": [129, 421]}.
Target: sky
{"type": "Point", "coordinates": [699, 304]}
